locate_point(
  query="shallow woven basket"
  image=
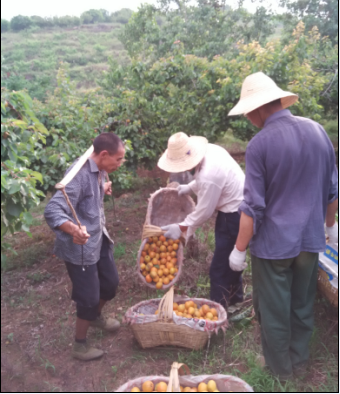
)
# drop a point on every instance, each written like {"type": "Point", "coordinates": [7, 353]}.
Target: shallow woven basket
{"type": "Point", "coordinates": [168, 333]}
{"type": "Point", "coordinates": [164, 331]}
{"type": "Point", "coordinates": [180, 376]}
{"type": "Point", "coordinates": [165, 207]}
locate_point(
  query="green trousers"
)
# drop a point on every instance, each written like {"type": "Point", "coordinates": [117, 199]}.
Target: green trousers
{"type": "Point", "coordinates": [283, 296]}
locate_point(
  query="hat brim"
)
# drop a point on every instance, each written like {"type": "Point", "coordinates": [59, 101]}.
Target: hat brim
{"type": "Point", "coordinates": [200, 145]}
{"type": "Point", "coordinates": [249, 104]}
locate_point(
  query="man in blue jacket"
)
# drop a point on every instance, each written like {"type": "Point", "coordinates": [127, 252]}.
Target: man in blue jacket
{"type": "Point", "coordinates": [291, 189]}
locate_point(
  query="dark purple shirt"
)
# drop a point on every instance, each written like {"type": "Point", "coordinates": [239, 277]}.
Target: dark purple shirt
{"type": "Point", "coordinates": [291, 177]}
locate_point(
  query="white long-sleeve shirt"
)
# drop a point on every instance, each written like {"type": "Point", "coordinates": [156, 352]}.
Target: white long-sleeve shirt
{"type": "Point", "coordinates": [218, 184]}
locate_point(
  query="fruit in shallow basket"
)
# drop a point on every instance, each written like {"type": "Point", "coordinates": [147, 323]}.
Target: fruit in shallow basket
{"type": "Point", "coordinates": [135, 390]}
{"type": "Point", "coordinates": [161, 387]}
{"type": "Point", "coordinates": [202, 388]}
{"type": "Point", "coordinates": [148, 387]}
{"type": "Point", "coordinates": [212, 387]}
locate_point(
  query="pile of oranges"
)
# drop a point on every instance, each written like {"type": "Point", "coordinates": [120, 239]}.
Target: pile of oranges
{"type": "Point", "coordinates": [158, 262]}
{"type": "Point", "coordinates": [190, 310]}
{"type": "Point", "coordinates": [149, 387]}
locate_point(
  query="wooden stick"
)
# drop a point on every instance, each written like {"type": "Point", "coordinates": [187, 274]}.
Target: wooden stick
{"type": "Point", "coordinates": [76, 168]}
{"type": "Point", "coordinates": [71, 207]}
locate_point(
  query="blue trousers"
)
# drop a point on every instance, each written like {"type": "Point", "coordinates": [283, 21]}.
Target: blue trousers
{"type": "Point", "coordinates": [226, 284]}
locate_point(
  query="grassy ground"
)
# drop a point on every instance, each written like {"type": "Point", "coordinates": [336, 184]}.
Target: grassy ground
{"type": "Point", "coordinates": [38, 317]}
{"type": "Point", "coordinates": [37, 55]}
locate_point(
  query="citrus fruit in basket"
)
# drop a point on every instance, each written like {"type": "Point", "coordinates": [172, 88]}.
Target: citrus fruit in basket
{"type": "Point", "coordinates": [159, 261]}
{"type": "Point", "coordinates": [135, 390]}
{"type": "Point", "coordinates": [191, 310]}
{"type": "Point", "coordinates": [161, 387]}
{"type": "Point", "coordinates": [148, 386]}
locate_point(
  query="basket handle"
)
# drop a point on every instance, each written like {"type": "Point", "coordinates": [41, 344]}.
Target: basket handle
{"type": "Point", "coordinates": [176, 370]}
{"type": "Point", "coordinates": [151, 231]}
{"type": "Point", "coordinates": [166, 306]}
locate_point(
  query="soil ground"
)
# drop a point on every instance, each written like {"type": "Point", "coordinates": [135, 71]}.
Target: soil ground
{"type": "Point", "coordinates": [38, 316]}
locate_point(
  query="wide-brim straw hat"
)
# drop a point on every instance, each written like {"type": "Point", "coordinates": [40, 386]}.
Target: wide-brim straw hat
{"type": "Point", "coordinates": [183, 153]}
{"type": "Point", "coordinates": [257, 90]}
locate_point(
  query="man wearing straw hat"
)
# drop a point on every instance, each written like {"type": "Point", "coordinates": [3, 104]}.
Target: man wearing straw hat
{"type": "Point", "coordinates": [88, 252]}
{"type": "Point", "coordinates": [218, 183]}
{"type": "Point", "coordinates": [291, 188]}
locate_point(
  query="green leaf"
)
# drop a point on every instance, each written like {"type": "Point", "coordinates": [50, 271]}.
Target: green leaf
{"type": "Point", "coordinates": [14, 209]}
{"type": "Point", "coordinates": [38, 176]}
{"type": "Point", "coordinates": [15, 187]}
{"type": "Point", "coordinates": [28, 218]}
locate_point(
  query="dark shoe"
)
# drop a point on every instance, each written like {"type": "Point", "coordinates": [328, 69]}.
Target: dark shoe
{"type": "Point", "coordinates": [82, 351]}
{"type": "Point", "coordinates": [107, 324]}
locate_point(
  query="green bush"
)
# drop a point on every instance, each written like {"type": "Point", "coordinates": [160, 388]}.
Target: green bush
{"type": "Point", "coordinates": [4, 25]}
{"type": "Point", "coordinates": [20, 23]}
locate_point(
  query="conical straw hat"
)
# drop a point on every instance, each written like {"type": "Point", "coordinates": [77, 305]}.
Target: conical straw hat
{"type": "Point", "coordinates": [183, 153]}
{"type": "Point", "coordinates": [257, 90]}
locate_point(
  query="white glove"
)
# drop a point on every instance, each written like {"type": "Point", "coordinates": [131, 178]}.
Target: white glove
{"type": "Point", "coordinates": [333, 233]}
{"type": "Point", "coordinates": [237, 260]}
{"type": "Point", "coordinates": [172, 231]}
{"type": "Point", "coordinates": [183, 189]}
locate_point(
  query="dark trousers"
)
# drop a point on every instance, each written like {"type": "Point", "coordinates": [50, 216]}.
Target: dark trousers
{"type": "Point", "coordinates": [283, 297]}
{"type": "Point", "coordinates": [98, 282]}
{"type": "Point", "coordinates": [226, 284]}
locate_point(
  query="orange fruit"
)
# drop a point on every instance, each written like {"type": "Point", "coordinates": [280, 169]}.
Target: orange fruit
{"type": "Point", "coordinates": [157, 312]}
{"type": "Point", "coordinates": [214, 312]}
{"type": "Point", "coordinates": [171, 278]}
{"type": "Point", "coordinates": [148, 278]}
{"type": "Point", "coordinates": [170, 249]}
{"type": "Point", "coordinates": [166, 271]}
{"type": "Point", "coordinates": [209, 316]}
{"type": "Point", "coordinates": [191, 311]}
{"type": "Point", "coordinates": [149, 266]}
{"type": "Point", "coordinates": [187, 390]}
{"type": "Point", "coordinates": [197, 314]}
{"type": "Point", "coordinates": [169, 265]}
{"type": "Point", "coordinates": [175, 306]}
{"type": "Point", "coordinates": [152, 254]}
{"type": "Point", "coordinates": [165, 244]}
{"type": "Point", "coordinates": [147, 259]}
{"type": "Point", "coordinates": [159, 285]}
{"type": "Point", "coordinates": [142, 267]}
{"type": "Point", "coordinates": [155, 239]}
{"type": "Point", "coordinates": [187, 305]}
{"type": "Point", "coordinates": [143, 253]}
{"type": "Point", "coordinates": [175, 246]}
{"type": "Point", "coordinates": [180, 314]}
{"type": "Point", "coordinates": [215, 318]}
{"type": "Point", "coordinates": [205, 309]}
{"type": "Point", "coordinates": [160, 273]}
{"type": "Point", "coordinates": [135, 390]}
{"type": "Point", "coordinates": [159, 243]}
{"type": "Point", "coordinates": [145, 273]}
{"type": "Point", "coordinates": [174, 261]}
{"type": "Point", "coordinates": [148, 387]}
{"type": "Point", "coordinates": [161, 387]}
{"type": "Point", "coordinates": [162, 267]}
{"type": "Point", "coordinates": [173, 254]}
{"type": "Point", "coordinates": [172, 271]}
{"type": "Point", "coordinates": [166, 281]}
{"type": "Point", "coordinates": [162, 248]}
{"type": "Point", "coordinates": [156, 279]}
{"type": "Point", "coordinates": [202, 388]}
{"type": "Point", "coordinates": [163, 261]}
{"type": "Point", "coordinates": [181, 308]}
{"type": "Point", "coordinates": [162, 238]}
{"type": "Point", "coordinates": [153, 274]}
{"type": "Point", "coordinates": [146, 247]}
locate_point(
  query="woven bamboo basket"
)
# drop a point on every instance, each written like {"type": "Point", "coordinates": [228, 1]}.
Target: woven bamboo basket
{"type": "Point", "coordinates": [180, 378]}
{"type": "Point", "coordinates": [165, 207]}
{"type": "Point", "coordinates": [152, 331]}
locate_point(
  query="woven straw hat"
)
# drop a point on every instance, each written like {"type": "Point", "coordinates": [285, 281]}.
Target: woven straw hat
{"type": "Point", "coordinates": [183, 153]}
{"type": "Point", "coordinates": [257, 90]}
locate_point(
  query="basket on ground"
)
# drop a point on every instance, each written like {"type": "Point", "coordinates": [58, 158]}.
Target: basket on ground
{"type": "Point", "coordinates": [165, 207]}
{"type": "Point", "coordinates": [224, 383]}
{"type": "Point", "coordinates": [167, 328]}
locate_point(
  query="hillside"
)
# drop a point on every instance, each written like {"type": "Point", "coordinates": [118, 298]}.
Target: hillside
{"type": "Point", "coordinates": [32, 57]}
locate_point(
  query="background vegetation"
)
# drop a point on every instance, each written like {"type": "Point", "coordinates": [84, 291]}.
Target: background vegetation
{"type": "Point", "coordinates": [145, 75]}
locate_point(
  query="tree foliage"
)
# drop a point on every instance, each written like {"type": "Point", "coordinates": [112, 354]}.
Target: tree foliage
{"type": "Point", "coordinates": [324, 14]}
{"type": "Point", "coordinates": [4, 25]}
{"type": "Point", "coordinates": [20, 23]}
{"type": "Point", "coordinates": [92, 16]}
{"type": "Point", "coordinates": [21, 134]}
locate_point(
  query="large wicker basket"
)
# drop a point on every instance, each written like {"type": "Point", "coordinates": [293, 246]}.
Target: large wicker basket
{"type": "Point", "coordinates": [166, 329]}
{"type": "Point", "coordinates": [180, 376]}
{"type": "Point", "coordinates": [166, 207]}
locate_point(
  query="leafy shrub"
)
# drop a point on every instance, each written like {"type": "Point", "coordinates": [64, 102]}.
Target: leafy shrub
{"type": "Point", "coordinates": [21, 133]}
{"type": "Point", "coordinates": [4, 25]}
{"type": "Point", "coordinates": [20, 22]}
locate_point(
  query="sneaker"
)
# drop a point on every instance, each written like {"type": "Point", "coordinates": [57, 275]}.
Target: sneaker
{"type": "Point", "coordinates": [83, 351]}
{"type": "Point", "coordinates": [107, 324]}
{"type": "Point", "coordinates": [234, 308]}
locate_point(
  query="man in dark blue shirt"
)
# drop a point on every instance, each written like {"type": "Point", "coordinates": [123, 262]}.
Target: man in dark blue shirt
{"type": "Point", "coordinates": [291, 188]}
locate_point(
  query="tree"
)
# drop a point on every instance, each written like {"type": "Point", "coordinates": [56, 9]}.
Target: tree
{"type": "Point", "coordinates": [20, 23]}
{"type": "Point", "coordinates": [21, 133]}
{"type": "Point", "coordinates": [4, 25]}
{"type": "Point", "coordinates": [92, 16]}
{"type": "Point", "coordinates": [321, 13]}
